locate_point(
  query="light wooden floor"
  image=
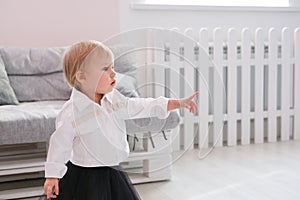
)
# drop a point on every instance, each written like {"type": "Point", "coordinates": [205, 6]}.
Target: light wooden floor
{"type": "Point", "coordinates": [253, 172]}
{"type": "Point", "coordinates": [261, 171]}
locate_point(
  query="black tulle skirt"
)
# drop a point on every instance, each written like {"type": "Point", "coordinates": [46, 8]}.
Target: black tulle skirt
{"type": "Point", "coordinates": [96, 183]}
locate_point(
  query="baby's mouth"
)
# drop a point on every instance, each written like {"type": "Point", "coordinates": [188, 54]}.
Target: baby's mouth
{"type": "Point", "coordinates": [113, 83]}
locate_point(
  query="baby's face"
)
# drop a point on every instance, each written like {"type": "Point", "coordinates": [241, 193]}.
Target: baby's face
{"type": "Point", "coordinates": [100, 76]}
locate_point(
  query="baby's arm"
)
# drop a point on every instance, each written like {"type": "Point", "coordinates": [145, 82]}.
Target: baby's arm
{"type": "Point", "coordinates": [59, 152]}
{"type": "Point", "coordinates": [130, 108]}
{"type": "Point", "coordinates": [183, 103]}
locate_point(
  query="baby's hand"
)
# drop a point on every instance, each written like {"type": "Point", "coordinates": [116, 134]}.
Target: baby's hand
{"type": "Point", "coordinates": [49, 184]}
{"type": "Point", "coordinates": [189, 103]}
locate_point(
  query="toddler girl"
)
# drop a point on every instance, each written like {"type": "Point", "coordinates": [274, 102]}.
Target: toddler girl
{"type": "Point", "coordinates": [90, 137]}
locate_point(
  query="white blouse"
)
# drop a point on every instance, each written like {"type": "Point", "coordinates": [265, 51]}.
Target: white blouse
{"type": "Point", "coordinates": [91, 135]}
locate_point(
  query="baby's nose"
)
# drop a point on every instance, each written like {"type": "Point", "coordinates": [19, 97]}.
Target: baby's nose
{"type": "Point", "coordinates": [113, 74]}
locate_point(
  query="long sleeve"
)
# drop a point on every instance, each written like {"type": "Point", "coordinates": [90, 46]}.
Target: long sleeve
{"type": "Point", "coordinates": [131, 108]}
{"type": "Point", "coordinates": [60, 147]}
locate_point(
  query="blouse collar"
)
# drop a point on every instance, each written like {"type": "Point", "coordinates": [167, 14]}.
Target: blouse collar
{"type": "Point", "coordinates": [82, 101]}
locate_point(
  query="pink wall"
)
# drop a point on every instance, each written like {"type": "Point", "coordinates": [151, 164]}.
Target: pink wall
{"type": "Point", "coordinates": [43, 23]}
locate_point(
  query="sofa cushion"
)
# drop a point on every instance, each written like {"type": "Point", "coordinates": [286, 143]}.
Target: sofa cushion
{"type": "Point", "coordinates": [28, 122]}
{"type": "Point", "coordinates": [36, 74]}
{"type": "Point", "coordinates": [40, 87]}
{"type": "Point", "coordinates": [7, 94]}
{"type": "Point", "coordinates": [28, 61]}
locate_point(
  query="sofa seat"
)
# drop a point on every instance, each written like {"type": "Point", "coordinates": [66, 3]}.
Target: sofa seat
{"type": "Point", "coordinates": [34, 120]}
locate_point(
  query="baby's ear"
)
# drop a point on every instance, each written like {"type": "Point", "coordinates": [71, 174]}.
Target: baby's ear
{"type": "Point", "coordinates": [80, 76]}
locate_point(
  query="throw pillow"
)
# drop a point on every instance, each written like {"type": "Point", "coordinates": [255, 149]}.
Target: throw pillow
{"type": "Point", "coordinates": [7, 94]}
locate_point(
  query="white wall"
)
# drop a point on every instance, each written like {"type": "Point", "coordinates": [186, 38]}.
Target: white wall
{"type": "Point", "coordinates": [130, 18]}
{"type": "Point", "coordinates": [36, 23]}
{"type": "Point", "coordinates": [54, 23]}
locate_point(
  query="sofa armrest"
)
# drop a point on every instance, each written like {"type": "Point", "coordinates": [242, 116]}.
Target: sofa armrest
{"type": "Point", "coordinates": [152, 124]}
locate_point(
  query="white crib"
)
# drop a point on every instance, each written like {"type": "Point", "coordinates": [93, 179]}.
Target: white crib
{"type": "Point", "coordinates": [249, 83]}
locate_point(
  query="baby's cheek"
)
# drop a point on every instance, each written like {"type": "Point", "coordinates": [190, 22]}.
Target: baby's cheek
{"type": "Point", "coordinates": [97, 79]}
{"type": "Point", "coordinates": [100, 81]}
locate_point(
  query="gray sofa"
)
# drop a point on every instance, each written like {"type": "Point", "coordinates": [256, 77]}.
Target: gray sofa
{"type": "Point", "coordinates": [32, 92]}
{"type": "Point", "coordinates": [38, 90]}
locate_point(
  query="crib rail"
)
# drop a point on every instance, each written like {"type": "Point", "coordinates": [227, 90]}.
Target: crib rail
{"type": "Point", "coordinates": [249, 83]}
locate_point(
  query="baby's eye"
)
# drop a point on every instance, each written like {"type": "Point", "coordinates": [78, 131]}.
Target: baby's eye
{"type": "Point", "coordinates": [105, 68]}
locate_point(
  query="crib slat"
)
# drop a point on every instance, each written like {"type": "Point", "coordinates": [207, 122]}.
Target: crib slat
{"type": "Point", "coordinates": [159, 62]}
{"type": "Point", "coordinates": [189, 82]}
{"type": "Point", "coordinates": [232, 87]}
{"type": "Point", "coordinates": [175, 63]}
{"type": "Point", "coordinates": [296, 134]}
{"type": "Point", "coordinates": [173, 40]}
{"type": "Point", "coordinates": [272, 85]}
{"type": "Point", "coordinates": [173, 73]}
{"type": "Point", "coordinates": [246, 41]}
{"type": "Point", "coordinates": [259, 78]}
{"type": "Point", "coordinates": [285, 81]}
{"type": "Point", "coordinates": [204, 64]}
{"type": "Point", "coordinates": [218, 88]}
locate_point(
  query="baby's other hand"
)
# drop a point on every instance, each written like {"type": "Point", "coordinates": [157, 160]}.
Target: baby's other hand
{"type": "Point", "coordinates": [49, 184]}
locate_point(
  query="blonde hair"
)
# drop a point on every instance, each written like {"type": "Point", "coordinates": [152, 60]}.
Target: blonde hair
{"type": "Point", "coordinates": [77, 54]}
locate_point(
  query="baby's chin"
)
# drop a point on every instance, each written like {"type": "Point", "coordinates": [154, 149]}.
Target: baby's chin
{"type": "Point", "coordinates": [101, 91]}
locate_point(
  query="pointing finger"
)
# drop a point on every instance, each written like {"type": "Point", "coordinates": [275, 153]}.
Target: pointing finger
{"type": "Point", "coordinates": [193, 95]}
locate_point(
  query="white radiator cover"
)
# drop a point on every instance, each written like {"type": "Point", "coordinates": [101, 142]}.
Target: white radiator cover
{"type": "Point", "coordinates": [249, 84]}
